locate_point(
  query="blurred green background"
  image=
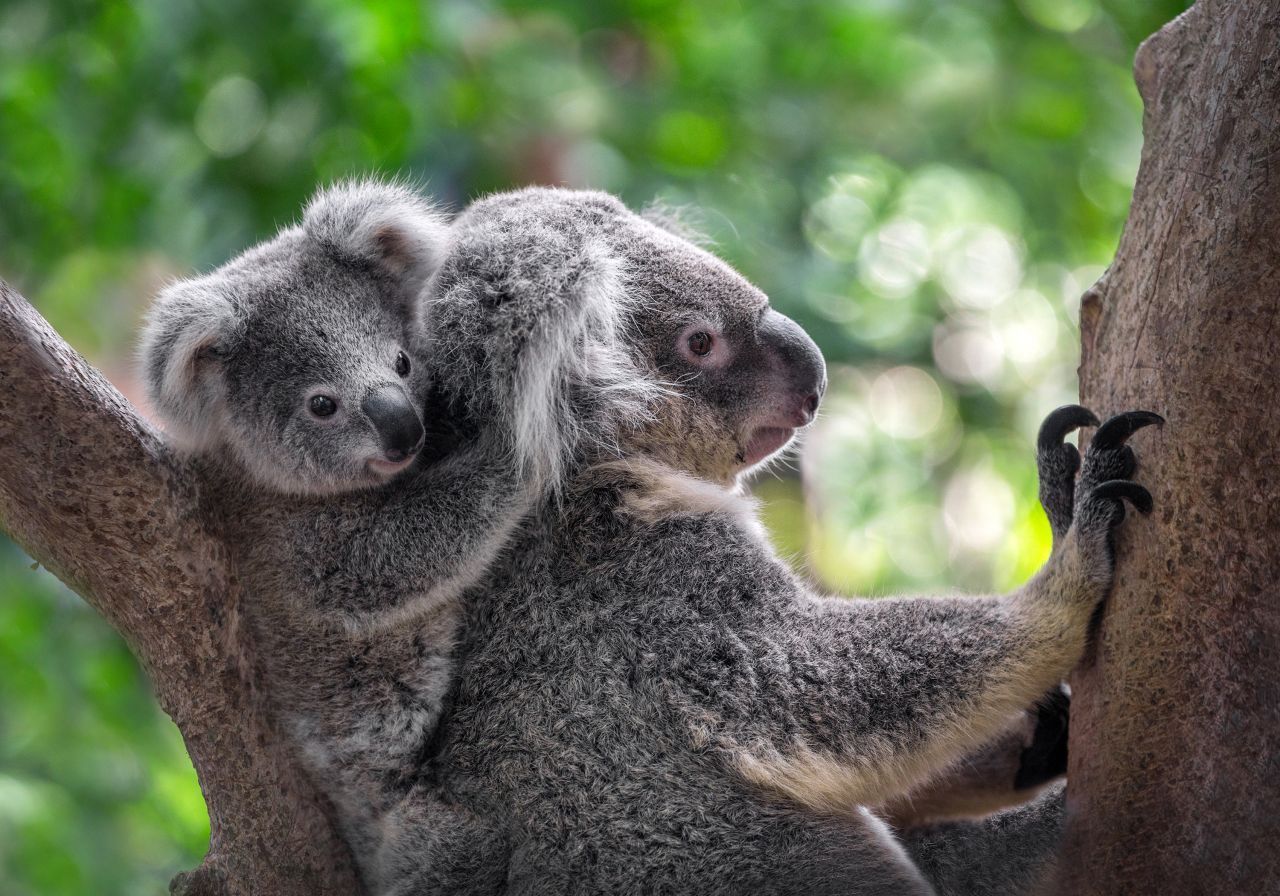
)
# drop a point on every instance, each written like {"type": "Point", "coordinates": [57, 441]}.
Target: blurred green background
{"type": "Point", "coordinates": [927, 187]}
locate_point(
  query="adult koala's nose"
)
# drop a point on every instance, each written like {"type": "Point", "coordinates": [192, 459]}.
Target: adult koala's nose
{"type": "Point", "coordinates": [396, 421]}
{"type": "Point", "coordinates": [798, 362]}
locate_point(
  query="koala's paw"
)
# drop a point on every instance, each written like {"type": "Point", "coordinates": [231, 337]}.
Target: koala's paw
{"type": "Point", "coordinates": [1046, 756]}
{"type": "Point", "coordinates": [1057, 463]}
{"type": "Point", "coordinates": [1108, 457]}
{"type": "Point", "coordinates": [1103, 488]}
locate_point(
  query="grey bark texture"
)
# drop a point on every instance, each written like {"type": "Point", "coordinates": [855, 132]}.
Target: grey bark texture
{"type": "Point", "coordinates": [1174, 780]}
{"type": "Point", "coordinates": [89, 490]}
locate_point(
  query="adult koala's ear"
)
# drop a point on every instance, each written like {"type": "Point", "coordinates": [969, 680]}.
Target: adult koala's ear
{"type": "Point", "coordinates": [188, 330]}
{"type": "Point", "coordinates": [386, 226]}
{"type": "Point", "coordinates": [531, 309]}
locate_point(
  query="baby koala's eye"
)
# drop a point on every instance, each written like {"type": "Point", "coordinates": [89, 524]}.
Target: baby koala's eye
{"type": "Point", "coordinates": [323, 405]}
{"type": "Point", "coordinates": [700, 343]}
{"type": "Point", "coordinates": [402, 364]}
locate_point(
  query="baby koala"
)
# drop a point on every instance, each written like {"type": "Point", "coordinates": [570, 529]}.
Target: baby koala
{"type": "Point", "coordinates": [294, 380]}
{"type": "Point", "coordinates": [295, 362]}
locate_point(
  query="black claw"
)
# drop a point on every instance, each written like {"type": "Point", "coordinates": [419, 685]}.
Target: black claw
{"type": "Point", "coordinates": [1118, 429]}
{"type": "Point", "coordinates": [1116, 489]}
{"type": "Point", "coordinates": [1060, 422]}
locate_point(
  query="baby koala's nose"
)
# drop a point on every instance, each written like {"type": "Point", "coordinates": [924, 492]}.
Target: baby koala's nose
{"type": "Point", "coordinates": [396, 421]}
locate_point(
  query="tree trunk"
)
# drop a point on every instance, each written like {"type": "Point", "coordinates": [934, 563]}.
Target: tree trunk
{"type": "Point", "coordinates": [89, 490]}
{"type": "Point", "coordinates": [1175, 728]}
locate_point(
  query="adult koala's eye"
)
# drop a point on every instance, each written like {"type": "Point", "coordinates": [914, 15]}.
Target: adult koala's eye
{"type": "Point", "coordinates": [402, 364]}
{"type": "Point", "coordinates": [323, 405]}
{"type": "Point", "coordinates": [700, 342]}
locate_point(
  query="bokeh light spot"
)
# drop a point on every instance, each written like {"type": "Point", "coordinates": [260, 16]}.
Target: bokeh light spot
{"type": "Point", "coordinates": [231, 116]}
{"type": "Point", "coordinates": [836, 224]}
{"type": "Point", "coordinates": [905, 402]}
{"type": "Point", "coordinates": [980, 266]}
{"type": "Point", "coordinates": [1028, 330]}
{"type": "Point", "coordinates": [977, 507]}
{"type": "Point", "coordinates": [968, 353]}
{"type": "Point", "coordinates": [895, 259]}
{"type": "Point", "coordinates": [1059, 15]}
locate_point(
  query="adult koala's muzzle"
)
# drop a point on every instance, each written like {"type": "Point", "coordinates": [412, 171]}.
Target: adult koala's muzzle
{"type": "Point", "coordinates": [797, 361]}
{"type": "Point", "coordinates": [396, 421]}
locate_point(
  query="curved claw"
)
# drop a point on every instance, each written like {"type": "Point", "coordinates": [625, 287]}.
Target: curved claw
{"type": "Point", "coordinates": [1062, 421]}
{"type": "Point", "coordinates": [1118, 429]}
{"type": "Point", "coordinates": [1116, 489]}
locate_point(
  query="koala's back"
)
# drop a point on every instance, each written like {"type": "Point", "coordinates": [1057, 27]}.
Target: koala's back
{"type": "Point", "coordinates": [580, 724]}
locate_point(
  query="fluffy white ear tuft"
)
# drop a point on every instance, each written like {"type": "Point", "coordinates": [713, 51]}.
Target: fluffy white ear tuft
{"type": "Point", "coordinates": [188, 325]}
{"type": "Point", "coordinates": [385, 224]}
{"type": "Point", "coordinates": [578, 346]}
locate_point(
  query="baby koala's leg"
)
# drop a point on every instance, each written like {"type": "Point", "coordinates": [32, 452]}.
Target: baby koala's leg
{"type": "Point", "coordinates": [433, 846]}
{"type": "Point", "coordinates": [1010, 770]}
{"type": "Point", "coordinates": [1009, 853]}
{"type": "Point", "coordinates": [1033, 751]}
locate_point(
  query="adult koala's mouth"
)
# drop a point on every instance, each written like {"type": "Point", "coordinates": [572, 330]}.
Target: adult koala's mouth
{"type": "Point", "coordinates": [764, 441]}
{"type": "Point", "coordinates": [387, 468]}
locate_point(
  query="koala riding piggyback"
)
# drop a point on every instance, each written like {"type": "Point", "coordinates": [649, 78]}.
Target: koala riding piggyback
{"type": "Point", "coordinates": [295, 379]}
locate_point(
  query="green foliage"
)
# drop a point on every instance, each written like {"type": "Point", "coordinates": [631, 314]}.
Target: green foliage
{"type": "Point", "coordinates": [927, 187]}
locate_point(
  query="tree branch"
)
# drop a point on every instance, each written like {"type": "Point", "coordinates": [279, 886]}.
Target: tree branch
{"type": "Point", "coordinates": [88, 488]}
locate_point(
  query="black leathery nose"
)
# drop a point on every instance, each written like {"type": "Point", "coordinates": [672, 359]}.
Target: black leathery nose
{"type": "Point", "coordinates": [801, 361]}
{"type": "Point", "coordinates": [396, 420]}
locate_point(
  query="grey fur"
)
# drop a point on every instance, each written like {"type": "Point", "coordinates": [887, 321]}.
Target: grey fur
{"type": "Point", "coordinates": [350, 579]}
{"type": "Point", "coordinates": [1010, 852]}
{"type": "Point", "coordinates": [649, 700]}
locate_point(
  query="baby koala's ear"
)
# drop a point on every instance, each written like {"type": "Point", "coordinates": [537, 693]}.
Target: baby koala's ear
{"type": "Point", "coordinates": [187, 331]}
{"type": "Point", "coordinates": [386, 225]}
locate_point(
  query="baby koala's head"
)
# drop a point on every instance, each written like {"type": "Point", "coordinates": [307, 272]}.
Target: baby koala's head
{"type": "Point", "coordinates": [300, 358]}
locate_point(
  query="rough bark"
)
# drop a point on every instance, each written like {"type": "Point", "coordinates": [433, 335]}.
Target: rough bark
{"type": "Point", "coordinates": [1175, 731]}
{"type": "Point", "coordinates": [89, 490]}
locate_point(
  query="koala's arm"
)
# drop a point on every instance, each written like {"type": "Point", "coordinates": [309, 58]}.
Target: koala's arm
{"type": "Point", "coordinates": [1033, 751]}
{"type": "Point", "coordinates": [418, 542]}
{"type": "Point", "coordinates": [861, 700]}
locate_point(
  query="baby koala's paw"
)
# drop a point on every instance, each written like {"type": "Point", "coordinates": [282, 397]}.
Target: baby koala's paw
{"type": "Point", "coordinates": [1104, 486]}
{"type": "Point", "coordinates": [1045, 758]}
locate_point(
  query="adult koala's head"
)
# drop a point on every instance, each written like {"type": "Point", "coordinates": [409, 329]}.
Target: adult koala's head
{"type": "Point", "coordinates": [302, 356]}
{"type": "Point", "coordinates": [680, 358]}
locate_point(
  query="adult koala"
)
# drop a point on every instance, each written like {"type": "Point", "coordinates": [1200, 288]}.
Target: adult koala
{"type": "Point", "coordinates": [648, 699]}
{"type": "Point", "coordinates": [296, 377]}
